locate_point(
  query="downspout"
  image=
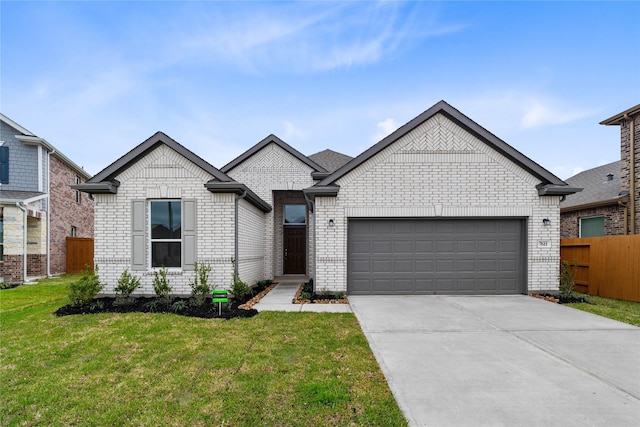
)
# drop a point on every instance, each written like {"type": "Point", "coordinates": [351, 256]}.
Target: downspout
{"type": "Point", "coordinates": [49, 212]}
{"type": "Point", "coordinates": [24, 242]}
{"type": "Point", "coordinates": [237, 234]}
{"type": "Point", "coordinates": [632, 175]}
{"type": "Point", "coordinates": [312, 207]}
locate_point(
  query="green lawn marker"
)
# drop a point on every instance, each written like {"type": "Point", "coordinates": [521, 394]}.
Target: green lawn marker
{"type": "Point", "coordinates": [219, 296]}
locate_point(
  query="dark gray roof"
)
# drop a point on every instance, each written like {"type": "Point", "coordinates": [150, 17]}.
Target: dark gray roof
{"type": "Point", "coordinates": [549, 185]}
{"type": "Point", "coordinates": [123, 163]}
{"type": "Point", "coordinates": [10, 196]}
{"type": "Point", "coordinates": [272, 139]}
{"type": "Point", "coordinates": [330, 160]}
{"type": "Point", "coordinates": [596, 186]}
{"type": "Point", "coordinates": [105, 182]}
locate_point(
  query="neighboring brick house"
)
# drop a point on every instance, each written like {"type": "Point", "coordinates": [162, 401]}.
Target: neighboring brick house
{"type": "Point", "coordinates": [440, 206]}
{"type": "Point", "coordinates": [35, 182]}
{"type": "Point", "coordinates": [605, 206]}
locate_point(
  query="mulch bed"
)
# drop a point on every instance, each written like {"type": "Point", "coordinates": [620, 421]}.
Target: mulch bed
{"type": "Point", "coordinates": [180, 306]}
{"type": "Point", "coordinates": [561, 299]}
{"type": "Point", "coordinates": [318, 298]}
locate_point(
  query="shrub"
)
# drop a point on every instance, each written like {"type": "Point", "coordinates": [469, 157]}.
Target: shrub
{"type": "Point", "coordinates": [127, 283]}
{"type": "Point", "coordinates": [200, 289]}
{"type": "Point", "coordinates": [161, 285]}
{"type": "Point", "coordinates": [239, 288]}
{"type": "Point", "coordinates": [178, 306]}
{"type": "Point", "coordinates": [567, 278]}
{"type": "Point", "coordinates": [85, 289]}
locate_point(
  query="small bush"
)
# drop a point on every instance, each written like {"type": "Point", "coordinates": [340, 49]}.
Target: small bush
{"type": "Point", "coordinates": [241, 291]}
{"type": "Point", "coordinates": [178, 306]}
{"type": "Point", "coordinates": [305, 295]}
{"type": "Point", "coordinates": [127, 283]}
{"type": "Point", "coordinates": [567, 277]}
{"type": "Point", "coordinates": [85, 289]}
{"type": "Point", "coordinates": [161, 285]}
{"type": "Point", "coordinates": [200, 288]}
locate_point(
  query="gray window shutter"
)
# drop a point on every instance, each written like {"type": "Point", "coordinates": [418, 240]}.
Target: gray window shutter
{"type": "Point", "coordinates": [138, 236]}
{"type": "Point", "coordinates": [188, 234]}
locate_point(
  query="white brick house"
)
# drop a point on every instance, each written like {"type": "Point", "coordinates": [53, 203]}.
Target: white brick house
{"type": "Point", "coordinates": [440, 206]}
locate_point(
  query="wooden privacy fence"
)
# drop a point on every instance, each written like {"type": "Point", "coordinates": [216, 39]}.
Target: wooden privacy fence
{"type": "Point", "coordinates": [79, 254]}
{"type": "Point", "coordinates": [607, 266]}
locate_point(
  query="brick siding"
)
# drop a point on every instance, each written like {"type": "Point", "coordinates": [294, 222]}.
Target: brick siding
{"type": "Point", "coordinates": [437, 170]}
{"type": "Point", "coordinates": [625, 156]}
{"type": "Point", "coordinates": [163, 173]}
{"type": "Point", "coordinates": [613, 221]}
{"type": "Point", "coordinates": [66, 212]}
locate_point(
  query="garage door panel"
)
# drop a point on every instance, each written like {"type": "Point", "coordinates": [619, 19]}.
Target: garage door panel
{"type": "Point", "coordinates": [436, 256]}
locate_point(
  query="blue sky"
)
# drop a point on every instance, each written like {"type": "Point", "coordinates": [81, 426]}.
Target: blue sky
{"type": "Point", "coordinates": [97, 78]}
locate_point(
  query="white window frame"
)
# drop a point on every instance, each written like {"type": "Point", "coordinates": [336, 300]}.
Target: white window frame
{"type": "Point", "coordinates": [78, 195]}
{"type": "Point", "coordinates": [74, 231]}
{"type": "Point", "coordinates": [151, 240]}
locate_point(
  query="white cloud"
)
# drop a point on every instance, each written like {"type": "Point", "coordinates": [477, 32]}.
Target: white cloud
{"type": "Point", "coordinates": [291, 132]}
{"type": "Point", "coordinates": [385, 128]}
{"type": "Point", "coordinates": [548, 111]}
{"type": "Point", "coordinates": [308, 37]}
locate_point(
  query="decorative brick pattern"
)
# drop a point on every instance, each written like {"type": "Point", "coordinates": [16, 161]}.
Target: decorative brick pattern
{"type": "Point", "coordinates": [215, 220]}
{"type": "Point", "coordinates": [438, 170]}
{"type": "Point", "coordinates": [267, 171]}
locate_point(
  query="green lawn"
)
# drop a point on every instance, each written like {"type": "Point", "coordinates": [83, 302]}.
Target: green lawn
{"type": "Point", "coordinates": [163, 369]}
{"type": "Point", "coordinates": [624, 311]}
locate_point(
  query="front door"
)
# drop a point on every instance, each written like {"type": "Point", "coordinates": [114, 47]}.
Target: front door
{"type": "Point", "coordinates": [295, 253]}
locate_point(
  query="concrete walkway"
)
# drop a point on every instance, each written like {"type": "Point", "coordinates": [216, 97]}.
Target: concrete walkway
{"type": "Point", "coordinates": [503, 361]}
{"type": "Point", "coordinates": [280, 297]}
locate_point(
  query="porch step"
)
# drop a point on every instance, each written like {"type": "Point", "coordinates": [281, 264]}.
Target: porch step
{"type": "Point", "coordinates": [292, 278]}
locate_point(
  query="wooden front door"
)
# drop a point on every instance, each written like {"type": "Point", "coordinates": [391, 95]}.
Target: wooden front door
{"type": "Point", "coordinates": [295, 250]}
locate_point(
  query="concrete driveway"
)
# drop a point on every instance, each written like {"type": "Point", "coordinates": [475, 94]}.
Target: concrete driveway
{"type": "Point", "coordinates": [503, 360]}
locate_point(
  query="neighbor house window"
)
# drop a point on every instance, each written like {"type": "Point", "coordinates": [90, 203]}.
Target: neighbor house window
{"type": "Point", "coordinates": [73, 231]}
{"type": "Point", "coordinates": [77, 191]}
{"type": "Point", "coordinates": [295, 214]}
{"type": "Point", "coordinates": [4, 164]}
{"type": "Point", "coordinates": [592, 226]}
{"type": "Point", "coordinates": [166, 233]}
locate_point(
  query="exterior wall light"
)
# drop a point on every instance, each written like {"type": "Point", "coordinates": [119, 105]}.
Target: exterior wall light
{"type": "Point", "coordinates": [332, 223]}
{"type": "Point", "coordinates": [546, 222]}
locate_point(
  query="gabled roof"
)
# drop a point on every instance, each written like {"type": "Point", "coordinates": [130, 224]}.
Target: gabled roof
{"type": "Point", "coordinates": [105, 180]}
{"type": "Point", "coordinates": [109, 173]}
{"type": "Point", "coordinates": [549, 183]}
{"type": "Point", "coordinates": [601, 186]}
{"type": "Point", "coordinates": [28, 138]}
{"type": "Point", "coordinates": [330, 160]}
{"type": "Point", "coordinates": [272, 139]}
{"type": "Point", "coordinates": [620, 117]}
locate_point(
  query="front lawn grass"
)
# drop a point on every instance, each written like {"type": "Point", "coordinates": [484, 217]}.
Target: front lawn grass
{"type": "Point", "coordinates": [623, 311]}
{"type": "Point", "coordinates": [163, 369]}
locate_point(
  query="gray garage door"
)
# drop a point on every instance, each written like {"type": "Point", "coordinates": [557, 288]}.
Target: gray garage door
{"type": "Point", "coordinates": [436, 256]}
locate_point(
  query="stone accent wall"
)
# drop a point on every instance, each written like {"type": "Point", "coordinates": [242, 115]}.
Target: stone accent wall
{"type": "Point", "coordinates": [66, 212]}
{"type": "Point", "coordinates": [273, 169]}
{"type": "Point", "coordinates": [613, 221]}
{"type": "Point", "coordinates": [161, 174]}
{"type": "Point", "coordinates": [625, 156]}
{"type": "Point", "coordinates": [438, 170]}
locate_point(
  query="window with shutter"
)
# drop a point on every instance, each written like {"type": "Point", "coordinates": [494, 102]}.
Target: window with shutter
{"type": "Point", "coordinates": [4, 165]}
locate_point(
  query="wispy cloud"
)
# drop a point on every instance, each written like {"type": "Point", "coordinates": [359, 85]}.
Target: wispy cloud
{"type": "Point", "coordinates": [303, 37]}
{"type": "Point", "coordinates": [548, 111]}
{"type": "Point", "coordinates": [385, 128]}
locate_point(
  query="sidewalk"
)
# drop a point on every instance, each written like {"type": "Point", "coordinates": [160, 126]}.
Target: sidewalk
{"type": "Point", "coordinates": [280, 297]}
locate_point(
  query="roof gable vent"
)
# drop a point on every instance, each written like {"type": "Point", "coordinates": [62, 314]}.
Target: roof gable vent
{"type": "Point", "coordinates": [609, 177]}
